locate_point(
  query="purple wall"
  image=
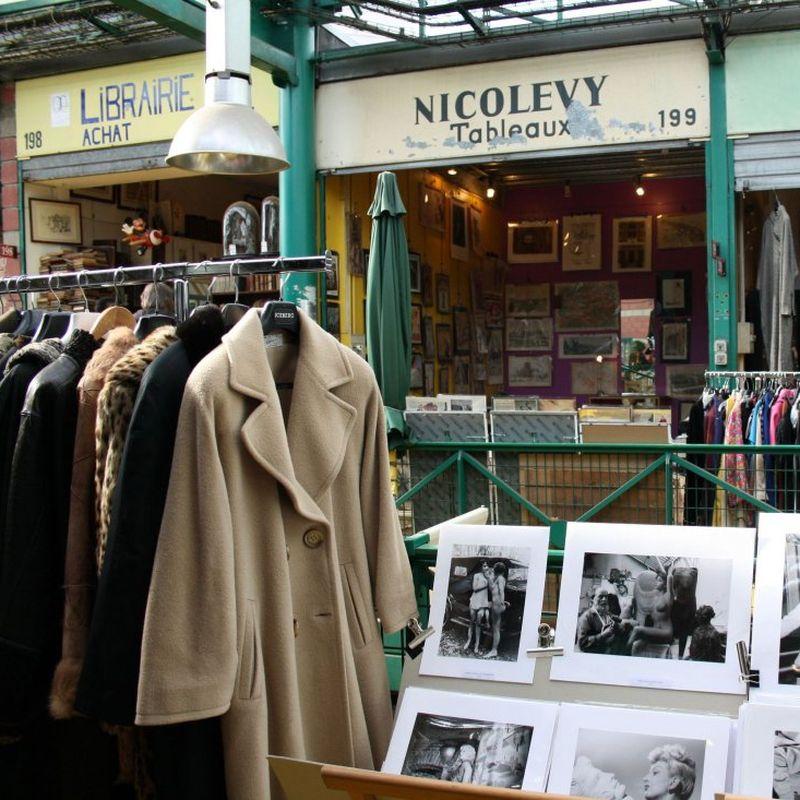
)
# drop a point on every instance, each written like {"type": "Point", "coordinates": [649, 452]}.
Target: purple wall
{"type": "Point", "coordinates": [677, 195]}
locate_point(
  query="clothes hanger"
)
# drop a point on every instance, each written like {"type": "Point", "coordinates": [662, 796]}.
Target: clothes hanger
{"type": "Point", "coordinates": [208, 297]}
{"type": "Point", "coordinates": [233, 312]}
{"type": "Point", "coordinates": [149, 322]}
{"type": "Point", "coordinates": [114, 317]}
{"type": "Point", "coordinates": [279, 315]}
{"type": "Point", "coordinates": [53, 323]}
{"type": "Point", "coordinates": [80, 320]}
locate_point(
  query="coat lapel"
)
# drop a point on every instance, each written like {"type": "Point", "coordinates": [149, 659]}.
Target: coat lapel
{"type": "Point", "coordinates": [307, 454]}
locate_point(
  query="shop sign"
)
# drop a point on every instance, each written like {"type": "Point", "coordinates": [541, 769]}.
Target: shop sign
{"type": "Point", "coordinates": [625, 95]}
{"type": "Point", "coordinates": [121, 105]}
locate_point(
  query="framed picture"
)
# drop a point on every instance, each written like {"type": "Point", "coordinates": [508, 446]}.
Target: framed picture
{"type": "Point", "coordinates": [632, 244]}
{"type": "Point", "coordinates": [137, 196]}
{"type": "Point", "coordinates": [485, 741]}
{"type": "Point", "coordinates": [478, 369]}
{"type": "Point", "coordinates": [431, 207]}
{"type": "Point", "coordinates": [675, 293]}
{"type": "Point", "coordinates": [533, 242]}
{"type": "Point", "coordinates": [587, 306]}
{"type": "Point", "coordinates": [461, 322]}
{"type": "Point", "coordinates": [416, 324]}
{"type": "Point", "coordinates": [428, 341]}
{"type": "Point", "coordinates": [640, 569]}
{"type": "Point", "coordinates": [333, 321]}
{"type": "Point", "coordinates": [428, 376]}
{"type": "Point", "coordinates": [530, 370]}
{"type": "Point", "coordinates": [461, 376]}
{"type": "Point", "coordinates": [444, 343]}
{"type": "Point", "coordinates": [355, 252]}
{"type": "Point", "coordinates": [332, 277]}
{"type": "Point", "coordinates": [55, 222]}
{"type": "Point", "coordinates": [415, 271]}
{"type": "Point", "coordinates": [495, 366]}
{"type": "Point", "coordinates": [588, 345]}
{"type": "Point", "coordinates": [459, 243]}
{"type": "Point", "coordinates": [480, 334]}
{"type": "Point", "coordinates": [502, 560]}
{"type": "Point", "coordinates": [475, 240]}
{"type": "Point", "coordinates": [591, 377]}
{"type": "Point", "coordinates": [417, 377]}
{"type": "Point", "coordinates": [675, 341]}
{"type": "Point", "coordinates": [687, 381]}
{"type": "Point", "coordinates": [529, 334]}
{"type": "Point", "coordinates": [427, 285]}
{"type": "Point", "coordinates": [776, 615]}
{"type": "Point", "coordinates": [102, 194]}
{"type": "Point", "coordinates": [444, 378]}
{"type": "Point", "coordinates": [365, 261]}
{"type": "Point", "coordinates": [581, 243]}
{"type": "Point", "coordinates": [676, 231]}
{"type": "Point", "coordinates": [600, 751]}
{"type": "Point", "coordinates": [477, 285]}
{"type": "Point", "coordinates": [493, 303]}
{"type": "Point", "coordinates": [528, 300]}
{"type": "Point", "coordinates": [443, 293]}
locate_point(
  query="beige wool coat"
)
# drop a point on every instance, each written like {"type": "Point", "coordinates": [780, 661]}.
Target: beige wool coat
{"type": "Point", "coordinates": [279, 545]}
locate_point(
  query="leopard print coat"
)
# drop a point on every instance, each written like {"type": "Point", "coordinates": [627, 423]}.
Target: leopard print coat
{"type": "Point", "coordinates": [114, 411]}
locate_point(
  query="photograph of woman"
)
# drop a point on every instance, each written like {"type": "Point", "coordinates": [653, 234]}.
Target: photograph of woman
{"type": "Point", "coordinates": [478, 607]}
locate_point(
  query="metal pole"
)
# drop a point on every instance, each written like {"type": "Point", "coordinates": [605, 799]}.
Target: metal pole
{"type": "Point", "coordinates": [22, 250]}
{"type": "Point", "coordinates": [298, 220]}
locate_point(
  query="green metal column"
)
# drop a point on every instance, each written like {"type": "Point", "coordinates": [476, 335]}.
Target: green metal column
{"type": "Point", "coordinates": [722, 314]}
{"type": "Point", "coordinates": [298, 221]}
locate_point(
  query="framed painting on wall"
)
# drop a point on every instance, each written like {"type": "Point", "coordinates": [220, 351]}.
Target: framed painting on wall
{"type": "Point", "coordinates": [332, 325]}
{"type": "Point", "coordinates": [428, 378]}
{"type": "Point", "coordinates": [674, 231]}
{"type": "Point", "coordinates": [137, 196]}
{"type": "Point", "coordinates": [675, 293]}
{"type": "Point", "coordinates": [103, 194]}
{"type": "Point", "coordinates": [417, 377]}
{"type": "Point", "coordinates": [428, 341]}
{"type": "Point", "coordinates": [587, 306]}
{"type": "Point", "coordinates": [533, 242]}
{"type": "Point", "coordinates": [444, 341]}
{"type": "Point", "coordinates": [444, 379]}
{"type": "Point", "coordinates": [495, 367]}
{"type": "Point", "coordinates": [459, 242]}
{"type": "Point", "coordinates": [416, 324]}
{"type": "Point", "coordinates": [415, 271]}
{"type": "Point", "coordinates": [686, 381]}
{"type": "Point", "coordinates": [530, 370]}
{"type": "Point", "coordinates": [632, 244]}
{"type": "Point", "coordinates": [462, 330]}
{"type": "Point", "coordinates": [475, 242]}
{"type": "Point", "coordinates": [675, 341]}
{"type": "Point", "coordinates": [431, 207]}
{"type": "Point", "coordinates": [528, 300]}
{"type": "Point", "coordinates": [443, 294]}
{"type": "Point", "coordinates": [55, 222]}
{"type": "Point", "coordinates": [461, 377]}
{"type": "Point", "coordinates": [587, 345]}
{"type": "Point", "coordinates": [332, 277]}
{"type": "Point", "coordinates": [427, 285]}
{"type": "Point", "coordinates": [529, 334]}
{"type": "Point", "coordinates": [581, 243]}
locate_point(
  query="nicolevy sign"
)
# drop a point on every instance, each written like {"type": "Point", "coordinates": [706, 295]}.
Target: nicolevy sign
{"type": "Point", "coordinates": [624, 95]}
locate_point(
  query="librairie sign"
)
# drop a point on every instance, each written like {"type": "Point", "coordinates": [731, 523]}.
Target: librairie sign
{"type": "Point", "coordinates": [121, 105]}
{"type": "Point", "coordinates": [644, 93]}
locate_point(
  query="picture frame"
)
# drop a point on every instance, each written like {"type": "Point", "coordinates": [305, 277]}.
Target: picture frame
{"type": "Point", "coordinates": [632, 249]}
{"type": "Point", "coordinates": [415, 272]}
{"type": "Point", "coordinates": [534, 242]}
{"type": "Point", "coordinates": [475, 232]}
{"type": "Point", "coordinates": [688, 563]}
{"type": "Point", "coordinates": [356, 264]}
{"type": "Point", "coordinates": [100, 194]}
{"type": "Point", "coordinates": [480, 344]}
{"type": "Point", "coordinates": [529, 334]}
{"type": "Point", "coordinates": [429, 377]}
{"type": "Point", "coordinates": [137, 196]}
{"type": "Point", "coordinates": [675, 341]}
{"type": "Point", "coordinates": [495, 360]}
{"type": "Point", "coordinates": [588, 345]}
{"type": "Point", "coordinates": [526, 371]}
{"type": "Point", "coordinates": [428, 337]}
{"type": "Point", "coordinates": [493, 303]}
{"type": "Point", "coordinates": [521, 552]}
{"type": "Point", "coordinates": [478, 369]}
{"type": "Point", "coordinates": [416, 324]}
{"type": "Point", "coordinates": [55, 221]}
{"type": "Point", "coordinates": [679, 231]}
{"type": "Point", "coordinates": [687, 381]}
{"type": "Point", "coordinates": [459, 232]}
{"type": "Point", "coordinates": [431, 207]}
{"type": "Point", "coordinates": [426, 714]}
{"type": "Point", "coordinates": [589, 306]}
{"type": "Point", "coordinates": [619, 749]}
{"type": "Point", "coordinates": [593, 378]}
{"type": "Point", "coordinates": [444, 378]}
{"type": "Point", "coordinates": [333, 319]}
{"type": "Point", "coordinates": [444, 343]}
{"type": "Point", "coordinates": [332, 277]}
{"type": "Point", "coordinates": [675, 293]}
{"type": "Point", "coordinates": [477, 286]}
{"type": "Point", "coordinates": [462, 383]}
{"type": "Point", "coordinates": [461, 324]}
{"type": "Point", "coordinates": [417, 372]}
{"type": "Point", "coordinates": [443, 293]}
{"type": "Point", "coordinates": [527, 300]}
{"type": "Point", "coordinates": [581, 243]}
{"type": "Point", "coordinates": [427, 285]}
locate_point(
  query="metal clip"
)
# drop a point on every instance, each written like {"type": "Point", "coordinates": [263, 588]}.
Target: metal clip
{"type": "Point", "coordinates": [750, 676]}
{"type": "Point", "coordinates": [546, 638]}
{"type": "Point", "coordinates": [419, 634]}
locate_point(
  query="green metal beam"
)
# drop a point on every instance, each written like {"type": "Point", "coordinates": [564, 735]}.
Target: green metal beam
{"type": "Point", "coordinates": [32, 5]}
{"type": "Point", "coordinates": [188, 19]}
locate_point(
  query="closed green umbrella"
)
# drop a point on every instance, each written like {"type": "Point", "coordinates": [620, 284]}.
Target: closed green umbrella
{"type": "Point", "coordinates": [389, 296]}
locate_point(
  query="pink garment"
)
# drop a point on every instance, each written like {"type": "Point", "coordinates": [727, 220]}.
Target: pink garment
{"type": "Point", "coordinates": [734, 465]}
{"type": "Point", "coordinates": [785, 398]}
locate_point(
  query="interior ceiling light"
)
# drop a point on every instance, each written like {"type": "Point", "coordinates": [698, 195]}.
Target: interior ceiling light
{"type": "Point", "coordinates": [227, 136]}
{"type": "Point", "coordinates": [490, 191]}
{"type": "Point", "coordinates": [639, 188]}
{"type": "Point", "coordinates": [452, 171]}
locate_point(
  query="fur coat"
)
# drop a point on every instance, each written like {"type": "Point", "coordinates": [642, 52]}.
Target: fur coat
{"type": "Point", "coordinates": [80, 565]}
{"type": "Point", "coordinates": [114, 411]}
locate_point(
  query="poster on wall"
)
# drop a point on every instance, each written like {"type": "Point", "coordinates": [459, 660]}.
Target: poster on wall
{"type": "Point", "coordinates": [529, 334]}
{"type": "Point", "coordinates": [472, 739]}
{"type": "Point", "coordinates": [628, 753]}
{"type": "Point", "coordinates": [528, 300]}
{"type": "Point", "coordinates": [632, 244]}
{"type": "Point", "coordinates": [654, 605]}
{"type": "Point", "coordinates": [587, 306]}
{"type": "Point", "coordinates": [591, 377]}
{"type": "Point", "coordinates": [459, 243]}
{"type": "Point", "coordinates": [675, 231]}
{"type": "Point", "coordinates": [587, 345]}
{"type": "Point", "coordinates": [533, 242]}
{"type": "Point", "coordinates": [431, 207]}
{"type": "Point", "coordinates": [487, 602]}
{"type": "Point", "coordinates": [530, 371]}
{"type": "Point", "coordinates": [581, 245]}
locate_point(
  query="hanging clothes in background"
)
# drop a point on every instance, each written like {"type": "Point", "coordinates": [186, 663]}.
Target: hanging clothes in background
{"type": "Point", "coordinates": [777, 270]}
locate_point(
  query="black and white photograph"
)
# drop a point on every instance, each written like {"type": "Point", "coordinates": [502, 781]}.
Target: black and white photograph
{"type": "Point", "coordinates": [472, 739]}
{"type": "Point", "coordinates": [487, 602]}
{"type": "Point", "coordinates": [633, 754]}
{"type": "Point", "coordinates": [650, 603]}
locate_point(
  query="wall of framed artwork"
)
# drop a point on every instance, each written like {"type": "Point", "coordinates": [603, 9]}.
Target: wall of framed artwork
{"type": "Point", "coordinates": [533, 242]}
{"type": "Point", "coordinates": [632, 244]}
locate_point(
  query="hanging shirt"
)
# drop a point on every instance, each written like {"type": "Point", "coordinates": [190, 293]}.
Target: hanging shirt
{"type": "Point", "coordinates": [777, 269]}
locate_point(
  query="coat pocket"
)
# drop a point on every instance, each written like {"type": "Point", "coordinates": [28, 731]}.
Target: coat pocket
{"type": "Point", "coordinates": [362, 624]}
{"type": "Point", "coordinates": [250, 660]}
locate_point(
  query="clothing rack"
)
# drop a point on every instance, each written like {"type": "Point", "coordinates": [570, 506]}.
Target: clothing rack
{"type": "Point", "coordinates": [180, 272]}
{"type": "Point", "coordinates": [713, 376]}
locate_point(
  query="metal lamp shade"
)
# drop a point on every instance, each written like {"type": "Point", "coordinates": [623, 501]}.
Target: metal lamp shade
{"type": "Point", "coordinates": [227, 139]}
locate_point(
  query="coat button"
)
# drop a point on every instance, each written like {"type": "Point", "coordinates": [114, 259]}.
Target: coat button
{"type": "Point", "coordinates": [313, 538]}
